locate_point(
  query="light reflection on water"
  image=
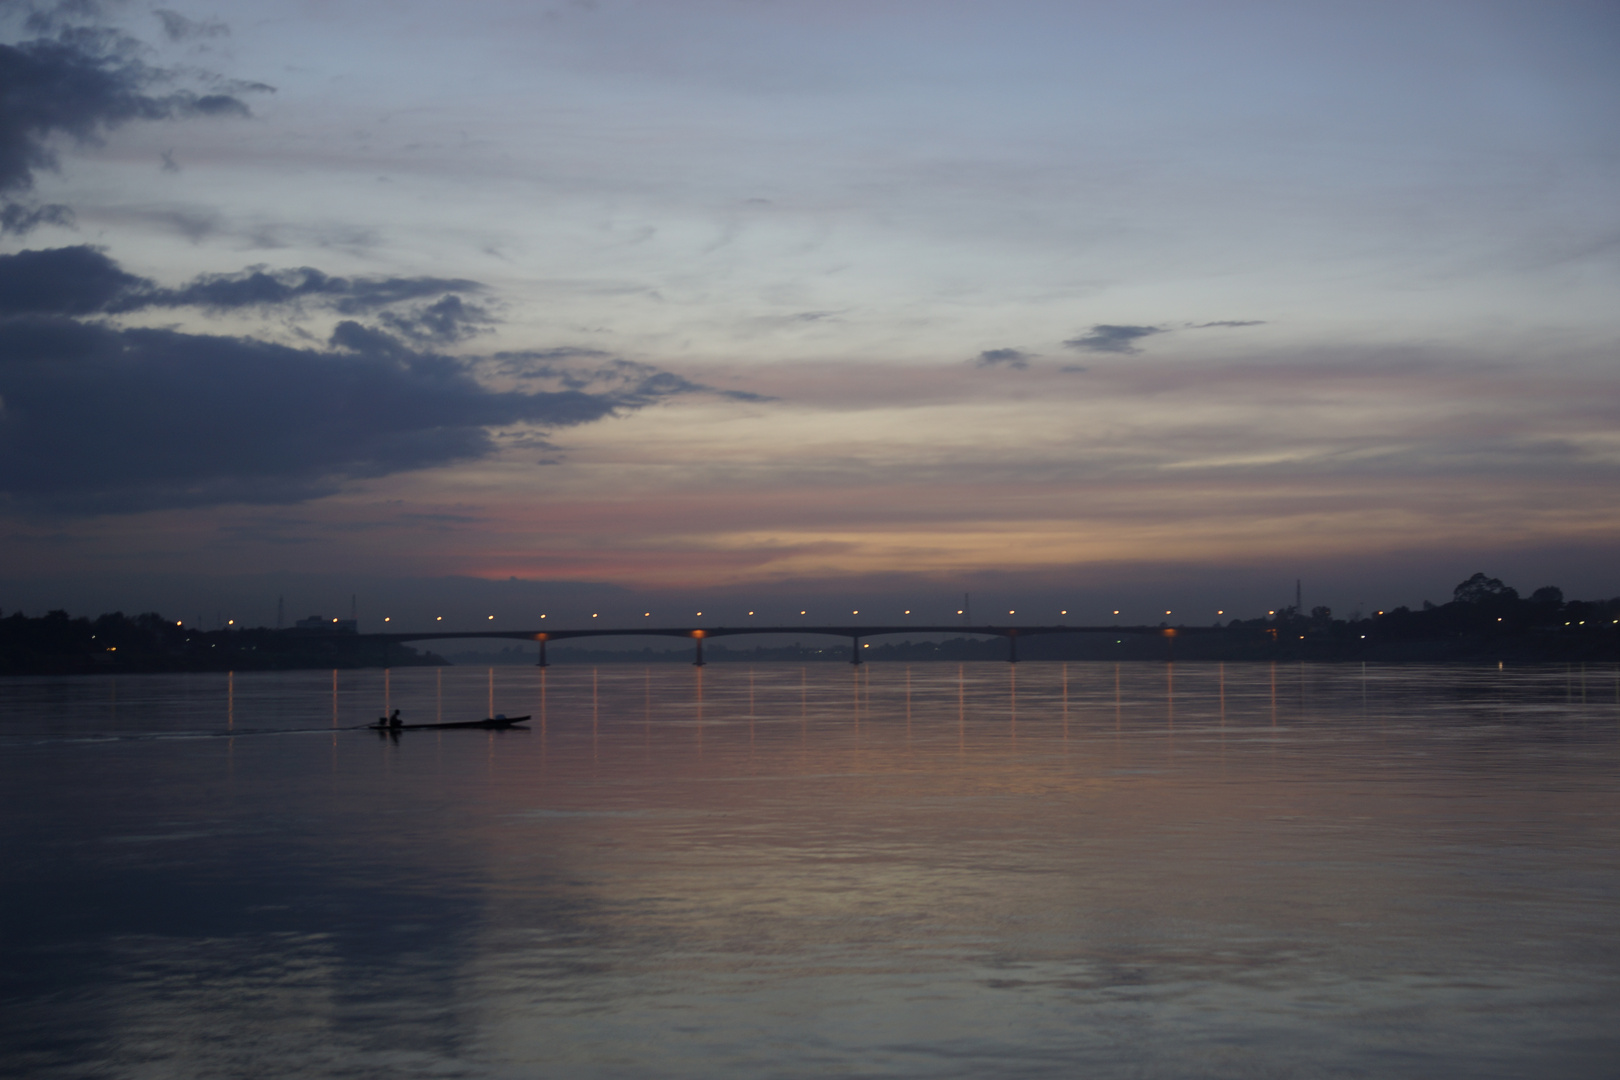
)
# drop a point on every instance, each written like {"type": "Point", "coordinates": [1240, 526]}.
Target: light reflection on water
{"type": "Point", "coordinates": [933, 870]}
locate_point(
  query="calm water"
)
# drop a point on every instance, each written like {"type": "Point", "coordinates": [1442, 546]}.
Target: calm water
{"type": "Point", "coordinates": [779, 871]}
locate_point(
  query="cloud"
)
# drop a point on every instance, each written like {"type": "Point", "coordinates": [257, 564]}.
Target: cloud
{"type": "Point", "coordinates": [258, 286]}
{"type": "Point", "coordinates": [638, 383]}
{"type": "Point", "coordinates": [23, 218]}
{"type": "Point", "coordinates": [83, 280]}
{"type": "Point", "coordinates": [1112, 339]}
{"type": "Point", "coordinates": [81, 83]}
{"type": "Point", "coordinates": [1229, 322]}
{"type": "Point", "coordinates": [446, 321]}
{"type": "Point", "coordinates": [177, 27]}
{"type": "Point", "coordinates": [101, 419]}
{"type": "Point", "coordinates": [1012, 358]}
{"type": "Point", "coordinates": [63, 281]}
{"type": "Point", "coordinates": [97, 418]}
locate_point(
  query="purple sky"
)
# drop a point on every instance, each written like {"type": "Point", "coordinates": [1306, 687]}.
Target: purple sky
{"type": "Point", "coordinates": [754, 305]}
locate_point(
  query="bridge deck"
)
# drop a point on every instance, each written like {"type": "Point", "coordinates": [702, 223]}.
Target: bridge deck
{"type": "Point", "coordinates": [699, 634]}
{"type": "Point", "coordinates": [853, 631]}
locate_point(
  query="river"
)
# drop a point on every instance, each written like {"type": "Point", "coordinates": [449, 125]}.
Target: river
{"type": "Point", "coordinates": [981, 870]}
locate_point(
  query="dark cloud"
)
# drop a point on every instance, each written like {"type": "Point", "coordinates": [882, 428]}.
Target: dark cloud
{"type": "Point", "coordinates": [1112, 339]}
{"type": "Point", "coordinates": [83, 281]}
{"type": "Point", "coordinates": [95, 418]}
{"type": "Point", "coordinates": [63, 281]}
{"type": "Point", "coordinates": [443, 322]}
{"type": "Point", "coordinates": [1012, 358]}
{"type": "Point", "coordinates": [100, 419]}
{"type": "Point", "coordinates": [1230, 322]}
{"type": "Point", "coordinates": [81, 83]}
{"type": "Point", "coordinates": [23, 218]}
{"type": "Point", "coordinates": [258, 286]}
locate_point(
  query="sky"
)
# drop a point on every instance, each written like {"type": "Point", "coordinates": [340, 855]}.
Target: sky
{"type": "Point", "coordinates": [606, 306]}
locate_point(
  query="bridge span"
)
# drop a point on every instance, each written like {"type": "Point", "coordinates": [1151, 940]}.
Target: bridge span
{"type": "Point", "coordinates": [699, 634]}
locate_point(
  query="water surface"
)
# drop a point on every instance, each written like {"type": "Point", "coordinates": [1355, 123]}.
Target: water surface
{"type": "Point", "coordinates": [935, 870]}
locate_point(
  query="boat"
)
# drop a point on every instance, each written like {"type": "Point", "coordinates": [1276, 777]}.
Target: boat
{"type": "Point", "coordinates": [498, 722]}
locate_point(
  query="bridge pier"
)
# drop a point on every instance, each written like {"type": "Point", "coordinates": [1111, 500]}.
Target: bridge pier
{"type": "Point", "coordinates": [1012, 647]}
{"type": "Point", "coordinates": [542, 662]}
{"type": "Point", "coordinates": [854, 649]}
{"type": "Point", "coordinates": [699, 661]}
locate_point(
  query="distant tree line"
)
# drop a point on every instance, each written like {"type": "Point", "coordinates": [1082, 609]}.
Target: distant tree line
{"type": "Point", "coordinates": [55, 644]}
{"type": "Point", "coordinates": [1484, 620]}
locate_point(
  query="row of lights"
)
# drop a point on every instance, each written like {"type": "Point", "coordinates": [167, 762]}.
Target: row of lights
{"type": "Point", "coordinates": [856, 611]}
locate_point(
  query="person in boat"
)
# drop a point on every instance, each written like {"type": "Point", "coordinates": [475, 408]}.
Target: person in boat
{"type": "Point", "coordinates": [394, 720]}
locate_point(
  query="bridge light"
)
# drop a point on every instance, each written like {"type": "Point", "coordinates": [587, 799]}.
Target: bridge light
{"type": "Point", "coordinates": [492, 616]}
{"type": "Point", "coordinates": [646, 614]}
{"type": "Point", "coordinates": [177, 622]}
{"type": "Point", "coordinates": [959, 611]}
{"type": "Point", "coordinates": [441, 618]}
{"type": "Point", "coordinates": [1065, 611]}
{"type": "Point", "coordinates": [855, 612]}
{"type": "Point", "coordinates": [232, 622]}
{"type": "Point", "coordinates": [908, 611]}
{"type": "Point", "coordinates": [542, 616]}
{"type": "Point", "coordinates": [750, 613]}
{"type": "Point", "coordinates": [593, 614]}
{"type": "Point", "coordinates": [700, 613]}
{"type": "Point", "coordinates": [1116, 612]}
{"type": "Point", "coordinates": [1012, 612]}
{"type": "Point", "coordinates": [1221, 611]}
{"type": "Point", "coordinates": [386, 619]}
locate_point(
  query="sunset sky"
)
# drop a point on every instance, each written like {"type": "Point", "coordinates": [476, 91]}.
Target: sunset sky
{"type": "Point", "coordinates": [756, 304]}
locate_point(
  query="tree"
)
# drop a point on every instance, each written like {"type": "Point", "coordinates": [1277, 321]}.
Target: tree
{"type": "Point", "coordinates": [1480, 589]}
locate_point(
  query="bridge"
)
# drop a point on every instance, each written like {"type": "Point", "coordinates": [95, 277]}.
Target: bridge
{"type": "Point", "coordinates": [699, 634]}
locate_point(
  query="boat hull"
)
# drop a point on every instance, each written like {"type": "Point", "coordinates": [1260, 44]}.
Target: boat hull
{"type": "Point", "coordinates": [500, 724]}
